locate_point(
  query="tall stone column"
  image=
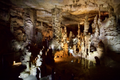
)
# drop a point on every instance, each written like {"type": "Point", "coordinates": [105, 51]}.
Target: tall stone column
{"type": "Point", "coordinates": [29, 20]}
{"type": "Point", "coordinates": [65, 42]}
{"type": "Point", "coordinates": [94, 24]}
{"type": "Point", "coordinates": [65, 35]}
{"type": "Point", "coordinates": [86, 25]}
{"type": "Point", "coordinates": [56, 22]}
{"type": "Point", "coordinates": [78, 35]}
{"type": "Point", "coordinates": [99, 11]}
{"type": "Point", "coordinates": [78, 30]}
{"type": "Point", "coordinates": [70, 39]}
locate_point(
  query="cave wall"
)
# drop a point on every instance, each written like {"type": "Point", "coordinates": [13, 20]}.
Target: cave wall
{"type": "Point", "coordinates": [5, 34]}
{"type": "Point", "coordinates": [110, 36]}
{"type": "Point", "coordinates": [29, 19]}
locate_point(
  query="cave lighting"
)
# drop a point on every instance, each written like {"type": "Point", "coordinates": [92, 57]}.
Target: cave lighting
{"type": "Point", "coordinates": [18, 63]}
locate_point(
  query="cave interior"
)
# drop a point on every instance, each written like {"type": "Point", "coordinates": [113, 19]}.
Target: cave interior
{"type": "Point", "coordinates": [59, 39]}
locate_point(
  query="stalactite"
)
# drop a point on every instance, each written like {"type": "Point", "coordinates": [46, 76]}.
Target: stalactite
{"type": "Point", "coordinates": [56, 22]}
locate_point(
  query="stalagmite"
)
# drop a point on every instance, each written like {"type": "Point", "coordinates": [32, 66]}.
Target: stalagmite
{"type": "Point", "coordinates": [65, 35]}
{"type": "Point", "coordinates": [94, 24]}
{"type": "Point", "coordinates": [82, 49]}
{"type": "Point", "coordinates": [70, 35]}
{"type": "Point", "coordinates": [78, 45]}
{"type": "Point", "coordinates": [70, 39]}
{"type": "Point", "coordinates": [86, 25]}
{"type": "Point", "coordinates": [38, 61]}
{"type": "Point", "coordinates": [65, 48]}
{"type": "Point", "coordinates": [87, 44]}
{"type": "Point", "coordinates": [96, 30]}
{"type": "Point", "coordinates": [26, 26]}
{"type": "Point", "coordinates": [56, 22]}
{"type": "Point", "coordinates": [74, 49]}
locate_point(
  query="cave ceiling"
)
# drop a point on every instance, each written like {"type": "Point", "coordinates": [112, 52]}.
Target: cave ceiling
{"type": "Point", "coordinates": [73, 11]}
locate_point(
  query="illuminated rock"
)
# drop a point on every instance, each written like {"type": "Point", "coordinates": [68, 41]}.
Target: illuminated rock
{"type": "Point", "coordinates": [65, 35]}
{"type": "Point", "coordinates": [111, 34]}
{"type": "Point", "coordinates": [82, 49]}
{"type": "Point", "coordinates": [70, 39]}
{"type": "Point", "coordinates": [24, 75]}
{"type": "Point", "coordinates": [74, 49]}
{"type": "Point", "coordinates": [86, 25]}
{"type": "Point", "coordinates": [56, 22]}
{"type": "Point", "coordinates": [65, 49]}
{"type": "Point", "coordinates": [87, 44]}
{"type": "Point", "coordinates": [59, 54]}
{"type": "Point", "coordinates": [33, 70]}
{"type": "Point", "coordinates": [79, 37]}
{"type": "Point", "coordinates": [94, 24]}
{"type": "Point", "coordinates": [71, 51]}
{"type": "Point", "coordinates": [29, 22]}
{"type": "Point", "coordinates": [95, 36]}
{"type": "Point", "coordinates": [38, 61]}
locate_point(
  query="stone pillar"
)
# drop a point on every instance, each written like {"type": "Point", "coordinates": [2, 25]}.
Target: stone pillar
{"type": "Point", "coordinates": [29, 20]}
{"type": "Point", "coordinates": [78, 30]}
{"type": "Point", "coordinates": [65, 35]}
{"type": "Point", "coordinates": [78, 35]}
{"type": "Point", "coordinates": [86, 25]}
{"type": "Point", "coordinates": [83, 47]}
{"type": "Point", "coordinates": [27, 65]}
{"type": "Point", "coordinates": [74, 49]}
{"type": "Point", "coordinates": [97, 31]}
{"type": "Point", "coordinates": [87, 44]}
{"type": "Point", "coordinates": [65, 49]}
{"type": "Point", "coordinates": [70, 39]}
{"type": "Point", "coordinates": [56, 22]}
{"type": "Point", "coordinates": [99, 19]}
{"type": "Point", "coordinates": [99, 11]}
{"type": "Point", "coordinates": [94, 24]}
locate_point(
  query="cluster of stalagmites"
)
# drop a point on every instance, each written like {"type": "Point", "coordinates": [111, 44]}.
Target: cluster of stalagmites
{"type": "Point", "coordinates": [23, 27]}
{"type": "Point", "coordinates": [105, 35]}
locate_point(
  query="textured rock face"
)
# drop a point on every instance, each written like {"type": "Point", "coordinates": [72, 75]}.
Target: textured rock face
{"type": "Point", "coordinates": [22, 26]}
{"type": "Point", "coordinates": [56, 22]}
{"type": "Point", "coordinates": [29, 22]}
{"type": "Point", "coordinates": [45, 30]}
{"type": "Point", "coordinates": [86, 25]}
{"type": "Point", "coordinates": [23, 22]}
{"type": "Point", "coordinates": [111, 33]}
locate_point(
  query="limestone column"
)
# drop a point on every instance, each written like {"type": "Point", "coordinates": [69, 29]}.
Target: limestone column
{"type": "Point", "coordinates": [86, 25]}
{"type": "Point", "coordinates": [70, 39]}
{"type": "Point", "coordinates": [65, 42]}
{"type": "Point", "coordinates": [99, 11]}
{"type": "Point", "coordinates": [62, 34]}
{"type": "Point", "coordinates": [94, 24]}
{"type": "Point", "coordinates": [78, 35]}
{"type": "Point", "coordinates": [70, 35]}
{"type": "Point", "coordinates": [65, 34]}
{"type": "Point", "coordinates": [29, 20]}
{"type": "Point", "coordinates": [99, 19]}
{"type": "Point", "coordinates": [56, 22]}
